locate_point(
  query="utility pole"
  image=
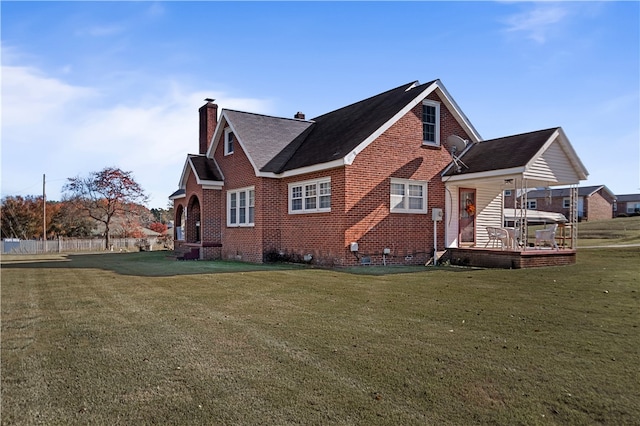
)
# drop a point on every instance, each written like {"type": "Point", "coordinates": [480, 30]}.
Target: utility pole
{"type": "Point", "coordinates": [44, 211]}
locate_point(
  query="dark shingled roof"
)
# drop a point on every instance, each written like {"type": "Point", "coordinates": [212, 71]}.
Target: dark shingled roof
{"type": "Point", "coordinates": [265, 136]}
{"type": "Point", "coordinates": [583, 191]}
{"type": "Point", "coordinates": [205, 168]}
{"type": "Point", "coordinates": [334, 135]}
{"type": "Point", "coordinates": [502, 153]}
{"type": "Point", "coordinates": [179, 192]}
{"type": "Point", "coordinates": [628, 197]}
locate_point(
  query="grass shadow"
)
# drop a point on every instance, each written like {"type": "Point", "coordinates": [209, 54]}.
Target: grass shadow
{"type": "Point", "coordinates": [161, 264]}
{"type": "Point", "coordinates": [152, 264]}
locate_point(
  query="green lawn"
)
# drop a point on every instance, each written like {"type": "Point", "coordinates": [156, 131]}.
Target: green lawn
{"type": "Point", "coordinates": [621, 230]}
{"type": "Point", "coordinates": [141, 339]}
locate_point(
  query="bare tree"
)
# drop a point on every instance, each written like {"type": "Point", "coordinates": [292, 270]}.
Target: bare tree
{"type": "Point", "coordinates": [105, 194]}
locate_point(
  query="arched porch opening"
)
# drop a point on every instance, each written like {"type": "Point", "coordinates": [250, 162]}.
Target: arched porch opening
{"type": "Point", "coordinates": [193, 233]}
{"type": "Point", "coordinates": [179, 220]}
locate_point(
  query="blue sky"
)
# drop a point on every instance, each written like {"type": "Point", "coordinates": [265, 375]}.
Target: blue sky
{"type": "Point", "coordinates": [87, 85]}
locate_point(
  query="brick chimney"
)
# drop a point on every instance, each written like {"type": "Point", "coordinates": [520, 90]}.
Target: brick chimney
{"type": "Point", "coordinates": [208, 121]}
{"type": "Point", "coordinates": [299, 115]}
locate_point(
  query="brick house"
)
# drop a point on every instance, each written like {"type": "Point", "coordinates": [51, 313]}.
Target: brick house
{"type": "Point", "coordinates": [627, 205]}
{"type": "Point", "coordinates": [594, 202]}
{"type": "Point", "coordinates": [371, 182]}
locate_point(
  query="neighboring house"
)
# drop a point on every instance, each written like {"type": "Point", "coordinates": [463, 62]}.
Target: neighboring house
{"type": "Point", "coordinates": [368, 183]}
{"type": "Point", "coordinates": [593, 202]}
{"type": "Point", "coordinates": [627, 204]}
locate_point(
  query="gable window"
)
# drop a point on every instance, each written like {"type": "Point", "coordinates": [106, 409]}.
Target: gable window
{"type": "Point", "coordinates": [431, 123]}
{"type": "Point", "coordinates": [532, 204]}
{"type": "Point", "coordinates": [229, 139]}
{"type": "Point", "coordinates": [241, 207]}
{"type": "Point", "coordinates": [566, 203]}
{"type": "Point", "coordinates": [408, 196]}
{"type": "Point", "coordinates": [311, 196]}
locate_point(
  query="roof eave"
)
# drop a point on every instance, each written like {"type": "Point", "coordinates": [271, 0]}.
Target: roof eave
{"type": "Point", "coordinates": [515, 171]}
{"type": "Point", "coordinates": [175, 196]}
{"type": "Point", "coordinates": [305, 170]}
{"type": "Point", "coordinates": [211, 184]}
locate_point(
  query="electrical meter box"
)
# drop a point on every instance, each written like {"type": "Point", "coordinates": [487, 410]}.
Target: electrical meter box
{"type": "Point", "coordinates": [436, 214]}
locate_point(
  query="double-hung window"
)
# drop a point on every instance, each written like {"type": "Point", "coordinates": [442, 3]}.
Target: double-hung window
{"type": "Point", "coordinates": [431, 123]}
{"type": "Point", "coordinates": [310, 196]}
{"type": "Point", "coordinates": [408, 196]}
{"type": "Point", "coordinates": [566, 203]}
{"type": "Point", "coordinates": [532, 204]}
{"type": "Point", "coordinates": [229, 139]}
{"type": "Point", "coordinates": [241, 207]}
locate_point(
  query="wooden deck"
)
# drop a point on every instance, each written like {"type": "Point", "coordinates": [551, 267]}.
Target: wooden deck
{"type": "Point", "coordinates": [510, 259]}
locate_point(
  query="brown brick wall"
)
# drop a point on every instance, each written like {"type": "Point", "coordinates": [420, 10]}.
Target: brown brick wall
{"type": "Point", "coordinates": [241, 243]}
{"type": "Point", "coordinates": [595, 207]}
{"type": "Point", "coordinates": [598, 206]}
{"type": "Point", "coordinates": [397, 153]}
{"type": "Point", "coordinates": [318, 234]}
{"type": "Point", "coordinates": [359, 203]}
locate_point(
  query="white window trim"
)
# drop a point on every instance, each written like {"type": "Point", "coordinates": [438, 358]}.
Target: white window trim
{"type": "Point", "coordinates": [247, 191]}
{"type": "Point", "coordinates": [228, 131]}
{"type": "Point", "coordinates": [405, 208]}
{"type": "Point", "coordinates": [507, 193]}
{"type": "Point", "coordinates": [566, 203]}
{"type": "Point", "coordinates": [437, 124]}
{"type": "Point", "coordinates": [632, 206]}
{"type": "Point", "coordinates": [532, 204]}
{"type": "Point", "coordinates": [302, 184]}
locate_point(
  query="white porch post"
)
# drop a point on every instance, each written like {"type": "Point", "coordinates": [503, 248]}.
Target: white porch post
{"type": "Point", "coordinates": [573, 215]}
{"type": "Point", "coordinates": [524, 229]}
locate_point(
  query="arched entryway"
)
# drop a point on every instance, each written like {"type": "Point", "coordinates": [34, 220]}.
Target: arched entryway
{"type": "Point", "coordinates": [180, 221]}
{"type": "Point", "coordinates": [193, 232]}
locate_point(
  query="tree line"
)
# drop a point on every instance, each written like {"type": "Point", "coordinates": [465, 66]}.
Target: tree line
{"type": "Point", "coordinates": [108, 203]}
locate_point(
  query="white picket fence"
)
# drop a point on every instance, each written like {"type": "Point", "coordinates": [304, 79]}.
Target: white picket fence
{"type": "Point", "coordinates": [15, 246]}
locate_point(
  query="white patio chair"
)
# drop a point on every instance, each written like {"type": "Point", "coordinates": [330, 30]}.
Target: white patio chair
{"type": "Point", "coordinates": [497, 236]}
{"type": "Point", "coordinates": [547, 236]}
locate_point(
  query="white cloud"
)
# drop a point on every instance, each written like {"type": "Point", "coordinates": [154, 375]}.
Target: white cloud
{"type": "Point", "coordinates": [26, 90]}
{"type": "Point", "coordinates": [537, 22]}
{"type": "Point", "coordinates": [53, 127]}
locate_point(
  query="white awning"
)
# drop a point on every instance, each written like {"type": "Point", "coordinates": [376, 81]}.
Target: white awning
{"type": "Point", "coordinates": [534, 216]}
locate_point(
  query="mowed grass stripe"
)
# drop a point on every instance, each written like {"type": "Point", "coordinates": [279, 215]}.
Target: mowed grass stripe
{"type": "Point", "coordinates": [106, 341]}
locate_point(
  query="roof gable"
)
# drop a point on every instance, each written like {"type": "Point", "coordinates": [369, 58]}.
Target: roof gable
{"type": "Point", "coordinates": [334, 135]}
{"type": "Point", "coordinates": [261, 137]}
{"type": "Point", "coordinates": [503, 153]}
{"type": "Point", "coordinates": [543, 155]}
{"type": "Point", "coordinates": [205, 170]}
{"type": "Point", "coordinates": [337, 137]}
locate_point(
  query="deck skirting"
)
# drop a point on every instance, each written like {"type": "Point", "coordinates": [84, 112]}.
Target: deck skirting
{"type": "Point", "coordinates": [488, 258]}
